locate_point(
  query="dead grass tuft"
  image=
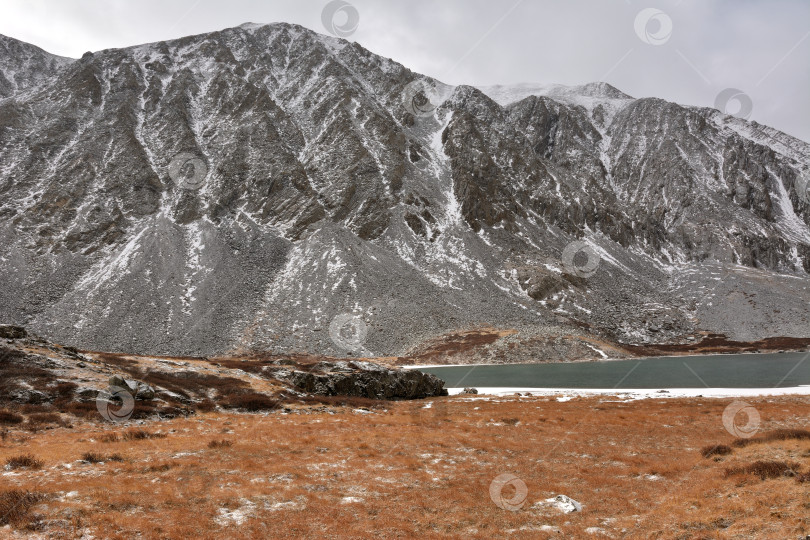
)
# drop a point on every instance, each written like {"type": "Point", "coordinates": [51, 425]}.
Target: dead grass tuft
{"type": "Point", "coordinates": [206, 405]}
{"type": "Point", "coordinates": [715, 450]}
{"type": "Point", "coordinates": [140, 435]}
{"type": "Point", "coordinates": [25, 461]}
{"type": "Point", "coordinates": [765, 469]}
{"type": "Point", "coordinates": [344, 401]}
{"type": "Point", "coordinates": [117, 360]}
{"type": "Point", "coordinates": [94, 457]}
{"type": "Point", "coordinates": [252, 402]}
{"type": "Point", "coordinates": [775, 435]}
{"type": "Point", "coordinates": [81, 409]}
{"type": "Point", "coordinates": [45, 420]}
{"type": "Point", "coordinates": [15, 505]}
{"type": "Point", "coordinates": [10, 418]}
{"type": "Point", "coordinates": [223, 443]}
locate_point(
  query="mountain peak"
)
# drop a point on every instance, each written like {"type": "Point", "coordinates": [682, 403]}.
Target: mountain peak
{"type": "Point", "coordinates": [250, 25]}
{"type": "Point", "coordinates": [602, 89]}
{"type": "Point", "coordinates": [511, 93]}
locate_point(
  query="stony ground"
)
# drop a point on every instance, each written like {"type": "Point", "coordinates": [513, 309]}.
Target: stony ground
{"type": "Point", "coordinates": [41, 378]}
{"type": "Point", "coordinates": [415, 469]}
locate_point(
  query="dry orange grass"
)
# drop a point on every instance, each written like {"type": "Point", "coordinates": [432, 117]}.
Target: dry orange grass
{"type": "Point", "coordinates": [405, 471]}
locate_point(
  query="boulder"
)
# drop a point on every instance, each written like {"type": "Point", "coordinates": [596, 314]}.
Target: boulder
{"type": "Point", "coordinates": [144, 392]}
{"type": "Point", "coordinates": [469, 391]}
{"type": "Point", "coordinates": [117, 381]}
{"type": "Point", "coordinates": [10, 331]}
{"type": "Point", "coordinates": [139, 390]}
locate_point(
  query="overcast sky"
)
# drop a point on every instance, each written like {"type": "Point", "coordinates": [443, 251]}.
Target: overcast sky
{"type": "Point", "coordinates": [688, 51]}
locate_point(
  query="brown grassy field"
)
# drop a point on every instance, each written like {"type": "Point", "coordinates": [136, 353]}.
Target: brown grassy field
{"type": "Point", "coordinates": [399, 470]}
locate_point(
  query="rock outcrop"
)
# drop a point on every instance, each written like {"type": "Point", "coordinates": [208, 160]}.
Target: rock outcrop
{"type": "Point", "coordinates": [363, 379]}
{"type": "Point", "coordinates": [10, 331]}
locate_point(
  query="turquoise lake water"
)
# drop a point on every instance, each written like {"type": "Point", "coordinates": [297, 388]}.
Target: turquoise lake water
{"type": "Point", "coordinates": [776, 370]}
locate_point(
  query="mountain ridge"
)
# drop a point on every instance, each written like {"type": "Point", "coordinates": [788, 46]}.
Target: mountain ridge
{"type": "Point", "coordinates": [317, 167]}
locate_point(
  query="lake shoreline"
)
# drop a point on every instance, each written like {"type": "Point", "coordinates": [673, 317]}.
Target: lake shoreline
{"type": "Point", "coordinates": [602, 350]}
{"type": "Point", "coordinates": [634, 394]}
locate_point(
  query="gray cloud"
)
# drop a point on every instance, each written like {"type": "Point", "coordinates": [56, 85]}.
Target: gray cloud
{"type": "Point", "coordinates": [761, 48]}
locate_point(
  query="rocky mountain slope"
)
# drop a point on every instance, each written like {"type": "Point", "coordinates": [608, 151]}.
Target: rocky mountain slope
{"type": "Point", "coordinates": [241, 189]}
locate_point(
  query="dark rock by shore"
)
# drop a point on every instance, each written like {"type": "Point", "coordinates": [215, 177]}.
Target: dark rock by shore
{"type": "Point", "coordinates": [364, 379]}
{"type": "Point", "coordinates": [10, 331]}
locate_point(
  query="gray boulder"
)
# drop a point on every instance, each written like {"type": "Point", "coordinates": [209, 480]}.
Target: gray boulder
{"type": "Point", "coordinates": [10, 331]}
{"type": "Point", "coordinates": [139, 390]}
{"type": "Point", "coordinates": [144, 392]}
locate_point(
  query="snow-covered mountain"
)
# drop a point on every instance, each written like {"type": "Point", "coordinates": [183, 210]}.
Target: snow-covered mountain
{"type": "Point", "coordinates": [242, 188]}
